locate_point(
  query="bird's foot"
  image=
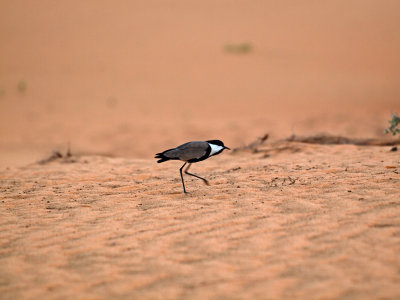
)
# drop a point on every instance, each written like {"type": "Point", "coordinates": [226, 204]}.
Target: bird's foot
{"type": "Point", "coordinates": [206, 182]}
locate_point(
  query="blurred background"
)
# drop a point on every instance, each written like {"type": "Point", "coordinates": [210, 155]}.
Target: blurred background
{"type": "Point", "coordinates": [130, 78]}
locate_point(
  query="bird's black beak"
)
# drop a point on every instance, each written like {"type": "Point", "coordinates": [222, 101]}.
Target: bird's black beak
{"type": "Point", "coordinates": [227, 148]}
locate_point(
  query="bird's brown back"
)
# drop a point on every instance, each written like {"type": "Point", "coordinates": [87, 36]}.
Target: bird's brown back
{"type": "Point", "coordinates": [188, 151]}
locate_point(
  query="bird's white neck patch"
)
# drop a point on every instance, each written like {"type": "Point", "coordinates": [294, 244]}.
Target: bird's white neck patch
{"type": "Point", "coordinates": [215, 148]}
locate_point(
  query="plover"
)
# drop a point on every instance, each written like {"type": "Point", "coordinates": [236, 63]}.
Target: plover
{"type": "Point", "coordinates": [192, 152]}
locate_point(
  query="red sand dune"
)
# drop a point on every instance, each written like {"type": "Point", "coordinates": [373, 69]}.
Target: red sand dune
{"type": "Point", "coordinates": [120, 81]}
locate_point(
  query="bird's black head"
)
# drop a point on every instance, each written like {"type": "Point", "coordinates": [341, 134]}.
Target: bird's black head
{"type": "Point", "coordinates": [218, 143]}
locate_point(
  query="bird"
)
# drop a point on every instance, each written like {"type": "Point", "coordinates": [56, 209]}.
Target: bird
{"type": "Point", "coordinates": [192, 152]}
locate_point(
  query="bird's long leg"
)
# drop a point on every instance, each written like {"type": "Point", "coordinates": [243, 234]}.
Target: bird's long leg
{"type": "Point", "coordinates": [183, 183]}
{"type": "Point", "coordinates": [186, 172]}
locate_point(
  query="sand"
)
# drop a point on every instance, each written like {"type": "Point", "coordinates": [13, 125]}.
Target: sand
{"type": "Point", "coordinates": [318, 222]}
{"type": "Point", "coordinates": [117, 81]}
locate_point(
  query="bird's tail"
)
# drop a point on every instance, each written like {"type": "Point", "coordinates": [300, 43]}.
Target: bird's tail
{"type": "Point", "coordinates": [162, 157]}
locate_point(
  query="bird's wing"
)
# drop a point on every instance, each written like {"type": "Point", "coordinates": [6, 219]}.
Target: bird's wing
{"type": "Point", "coordinates": [192, 150]}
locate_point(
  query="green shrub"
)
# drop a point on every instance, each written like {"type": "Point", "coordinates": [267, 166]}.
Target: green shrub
{"type": "Point", "coordinates": [394, 122]}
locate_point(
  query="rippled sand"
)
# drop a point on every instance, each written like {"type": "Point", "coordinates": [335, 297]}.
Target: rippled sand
{"type": "Point", "coordinates": [117, 81]}
{"type": "Point", "coordinates": [317, 222]}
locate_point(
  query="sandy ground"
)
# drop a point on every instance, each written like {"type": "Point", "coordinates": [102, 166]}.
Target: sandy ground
{"type": "Point", "coordinates": [118, 81]}
{"type": "Point", "coordinates": [132, 77]}
{"type": "Point", "coordinates": [307, 222]}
